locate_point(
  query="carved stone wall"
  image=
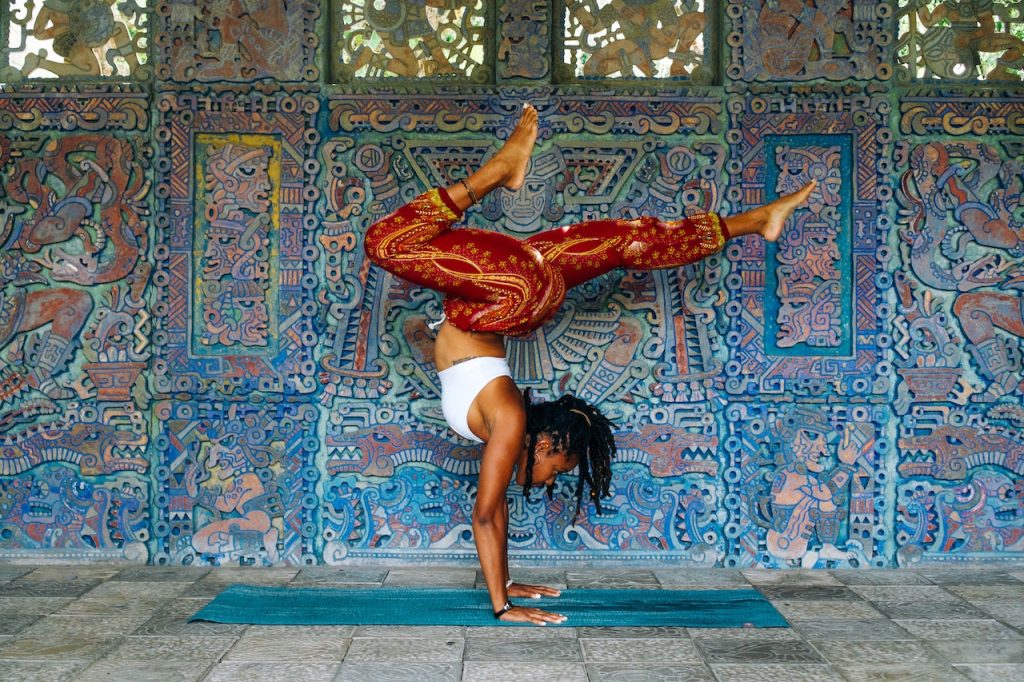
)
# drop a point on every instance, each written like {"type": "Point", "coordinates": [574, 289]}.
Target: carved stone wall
{"type": "Point", "coordinates": [198, 364]}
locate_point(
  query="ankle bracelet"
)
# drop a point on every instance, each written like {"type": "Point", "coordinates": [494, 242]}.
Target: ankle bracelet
{"type": "Point", "coordinates": [470, 192]}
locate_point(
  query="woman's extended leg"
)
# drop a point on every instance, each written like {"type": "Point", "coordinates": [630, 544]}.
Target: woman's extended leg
{"type": "Point", "coordinates": [587, 250]}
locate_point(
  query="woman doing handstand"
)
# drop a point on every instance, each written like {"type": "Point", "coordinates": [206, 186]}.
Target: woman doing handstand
{"type": "Point", "coordinates": [496, 285]}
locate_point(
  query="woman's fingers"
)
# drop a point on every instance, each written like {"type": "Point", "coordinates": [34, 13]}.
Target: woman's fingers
{"type": "Point", "coordinates": [532, 591]}
{"type": "Point", "coordinates": [522, 614]}
{"type": "Point", "coordinates": [539, 617]}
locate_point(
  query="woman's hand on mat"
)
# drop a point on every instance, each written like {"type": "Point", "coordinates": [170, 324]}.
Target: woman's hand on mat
{"type": "Point", "coordinates": [531, 591]}
{"type": "Point", "coordinates": [524, 614]}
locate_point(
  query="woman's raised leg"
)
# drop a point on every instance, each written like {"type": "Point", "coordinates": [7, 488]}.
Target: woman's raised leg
{"type": "Point", "coordinates": [492, 281]}
{"type": "Point", "coordinates": [506, 169]}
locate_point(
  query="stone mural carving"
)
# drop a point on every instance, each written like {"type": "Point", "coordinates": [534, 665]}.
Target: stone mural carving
{"type": "Point", "coordinates": [237, 489]}
{"type": "Point", "coordinates": [237, 40]}
{"type": "Point", "coordinates": [238, 261]}
{"type": "Point", "coordinates": [960, 40]}
{"type": "Point", "coordinates": [77, 38]}
{"type": "Point", "coordinates": [74, 439]}
{"type": "Point", "coordinates": [795, 348]}
{"type": "Point", "coordinates": [247, 239]}
{"type": "Point", "coordinates": [525, 36]}
{"type": "Point", "coordinates": [808, 486]}
{"type": "Point", "coordinates": [624, 39]}
{"type": "Point", "coordinates": [798, 40]}
{"type": "Point", "coordinates": [421, 38]}
{"type": "Point", "coordinates": [959, 337]}
{"type": "Point", "coordinates": [199, 366]}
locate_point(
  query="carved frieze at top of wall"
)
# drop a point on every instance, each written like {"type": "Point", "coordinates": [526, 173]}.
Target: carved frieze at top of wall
{"type": "Point", "coordinates": [801, 40]}
{"type": "Point", "coordinates": [929, 115]}
{"type": "Point", "coordinates": [265, 87]}
{"type": "Point", "coordinates": [214, 40]}
{"type": "Point", "coordinates": [807, 89]}
{"type": "Point", "coordinates": [808, 100]}
{"type": "Point", "coordinates": [77, 106]}
{"type": "Point", "coordinates": [571, 111]}
{"type": "Point", "coordinates": [242, 102]}
{"type": "Point", "coordinates": [978, 92]}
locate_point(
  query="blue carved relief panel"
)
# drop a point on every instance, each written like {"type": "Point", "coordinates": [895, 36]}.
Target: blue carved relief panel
{"type": "Point", "coordinates": [788, 333]}
{"type": "Point", "coordinates": [392, 462]}
{"type": "Point", "coordinates": [74, 326]}
{"type": "Point", "coordinates": [808, 294]}
{"type": "Point", "coordinates": [198, 365]}
{"type": "Point", "coordinates": [806, 485]}
{"type": "Point", "coordinates": [234, 281]}
{"type": "Point", "coordinates": [957, 337]}
{"type": "Point", "coordinates": [236, 483]}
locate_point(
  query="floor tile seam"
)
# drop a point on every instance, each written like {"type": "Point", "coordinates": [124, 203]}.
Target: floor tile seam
{"type": "Point", "coordinates": [204, 672]}
{"type": "Point", "coordinates": [831, 668]}
{"type": "Point", "coordinates": [821, 652]}
{"type": "Point", "coordinates": [920, 642]}
{"type": "Point", "coordinates": [1004, 622]}
{"type": "Point", "coordinates": [196, 636]}
{"type": "Point", "coordinates": [302, 661]}
{"type": "Point", "coordinates": [951, 662]}
{"type": "Point", "coordinates": [86, 661]}
{"type": "Point", "coordinates": [1016, 631]}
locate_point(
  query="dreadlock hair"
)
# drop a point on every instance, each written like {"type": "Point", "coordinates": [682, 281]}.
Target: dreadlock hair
{"type": "Point", "coordinates": [577, 428]}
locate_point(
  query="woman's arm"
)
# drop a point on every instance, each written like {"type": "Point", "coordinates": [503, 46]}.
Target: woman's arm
{"type": "Point", "coordinates": [504, 534]}
{"type": "Point", "coordinates": [490, 513]}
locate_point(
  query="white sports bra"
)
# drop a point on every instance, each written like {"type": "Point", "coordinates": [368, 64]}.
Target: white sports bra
{"type": "Point", "coordinates": [461, 384]}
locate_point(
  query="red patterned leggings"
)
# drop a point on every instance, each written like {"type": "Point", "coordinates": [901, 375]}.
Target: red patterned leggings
{"type": "Point", "coordinates": [496, 283]}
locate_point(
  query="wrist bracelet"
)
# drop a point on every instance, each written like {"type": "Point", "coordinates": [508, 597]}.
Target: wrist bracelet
{"type": "Point", "coordinates": [508, 583]}
{"type": "Point", "coordinates": [504, 609]}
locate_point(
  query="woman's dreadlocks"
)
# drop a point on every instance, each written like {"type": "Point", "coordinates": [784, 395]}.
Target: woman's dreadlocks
{"type": "Point", "coordinates": [576, 427]}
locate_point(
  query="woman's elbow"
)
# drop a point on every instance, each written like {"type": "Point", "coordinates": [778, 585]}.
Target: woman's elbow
{"type": "Point", "coordinates": [484, 517]}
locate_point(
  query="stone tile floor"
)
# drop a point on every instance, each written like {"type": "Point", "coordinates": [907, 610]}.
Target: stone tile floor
{"type": "Point", "coordinates": [101, 622]}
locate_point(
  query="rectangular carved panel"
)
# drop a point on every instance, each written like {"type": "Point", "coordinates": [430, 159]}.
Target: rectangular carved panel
{"type": "Point", "coordinates": [808, 292]}
{"type": "Point", "coordinates": [74, 325]}
{"type": "Point", "coordinates": [235, 262]}
{"type": "Point", "coordinates": [212, 41]}
{"type": "Point", "coordinates": [785, 335]}
{"type": "Point", "coordinates": [959, 276]}
{"type": "Point", "coordinates": [806, 486]}
{"type": "Point", "coordinates": [236, 244]}
{"type": "Point", "coordinates": [236, 483]}
{"type": "Point", "coordinates": [803, 40]}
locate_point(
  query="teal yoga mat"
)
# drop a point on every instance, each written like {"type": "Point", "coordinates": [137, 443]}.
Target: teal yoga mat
{"type": "Point", "coordinates": [428, 606]}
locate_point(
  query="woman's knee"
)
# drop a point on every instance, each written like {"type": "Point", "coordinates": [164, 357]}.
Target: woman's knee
{"type": "Point", "coordinates": [375, 240]}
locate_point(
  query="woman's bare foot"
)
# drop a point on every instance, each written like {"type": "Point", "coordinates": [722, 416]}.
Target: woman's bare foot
{"type": "Point", "coordinates": [783, 207]}
{"type": "Point", "coordinates": [515, 153]}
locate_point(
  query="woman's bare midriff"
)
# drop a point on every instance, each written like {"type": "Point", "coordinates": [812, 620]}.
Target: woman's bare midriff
{"type": "Point", "coordinates": [454, 345]}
